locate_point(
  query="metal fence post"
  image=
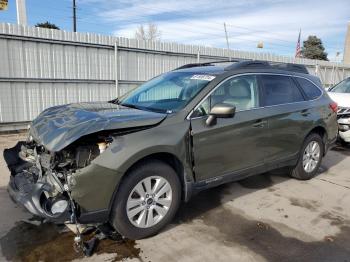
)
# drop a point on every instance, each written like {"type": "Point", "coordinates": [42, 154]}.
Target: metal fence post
{"type": "Point", "coordinates": [116, 69]}
{"type": "Point", "coordinates": [198, 54]}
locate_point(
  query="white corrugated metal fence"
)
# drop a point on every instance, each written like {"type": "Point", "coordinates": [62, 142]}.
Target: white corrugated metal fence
{"type": "Point", "coordinates": [40, 68]}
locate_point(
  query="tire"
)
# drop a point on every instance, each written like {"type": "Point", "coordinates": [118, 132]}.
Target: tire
{"type": "Point", "coordinates": [308, 172]}
{"type": "Point", "coordinates": [151, 219]}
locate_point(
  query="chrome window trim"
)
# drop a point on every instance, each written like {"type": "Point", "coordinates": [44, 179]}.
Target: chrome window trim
{"type": "Point", "coordinates": [188, 117]}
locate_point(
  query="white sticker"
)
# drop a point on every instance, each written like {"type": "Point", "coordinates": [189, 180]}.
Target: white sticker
{"type": "Point", "coordinates": [203, 77]}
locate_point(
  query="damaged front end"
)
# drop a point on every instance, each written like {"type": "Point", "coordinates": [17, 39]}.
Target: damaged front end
{"type": "Point", "coordinates": [41, 181]}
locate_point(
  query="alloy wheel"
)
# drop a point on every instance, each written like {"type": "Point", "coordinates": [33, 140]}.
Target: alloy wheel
{"type": "Point", "coordinates": [149, 201]}
{"type": "Point", "coordinates": [312, 156]}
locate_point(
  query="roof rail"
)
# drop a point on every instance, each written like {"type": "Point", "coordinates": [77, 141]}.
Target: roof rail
{"type": "Point", "coordinates": [290, 67]}
{"type": "Point", "coordinates": [258, 64]}
{"type": "Point", "coordinates": [252, 64]}
{"type": "Point", "coordinates": [210, 63]}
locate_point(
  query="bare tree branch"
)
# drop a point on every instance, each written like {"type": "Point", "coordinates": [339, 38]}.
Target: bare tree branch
{"type": "Point", "coordinates": [151, 34]}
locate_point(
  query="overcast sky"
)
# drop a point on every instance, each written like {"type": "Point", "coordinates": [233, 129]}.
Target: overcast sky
{"type": "Point", "coordinates": [274, 22]}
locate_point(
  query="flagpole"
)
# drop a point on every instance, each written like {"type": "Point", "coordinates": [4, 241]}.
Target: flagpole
{"type": "Point", "coordinates": [298, 48]}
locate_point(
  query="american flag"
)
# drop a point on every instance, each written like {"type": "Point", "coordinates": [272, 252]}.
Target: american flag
{"type": "Point", "coordinates": [298, 49]}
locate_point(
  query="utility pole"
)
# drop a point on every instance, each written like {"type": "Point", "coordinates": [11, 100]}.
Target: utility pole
{"type": "Point", "coordinates": [21, 12]}
{"type": "Point", "coordinates": [228, 45]}
{"type": "Point", "coordinates": [74, 17]}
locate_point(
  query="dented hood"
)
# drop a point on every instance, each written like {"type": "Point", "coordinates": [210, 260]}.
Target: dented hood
{"type": "Point", "coordinates": [57, 127]}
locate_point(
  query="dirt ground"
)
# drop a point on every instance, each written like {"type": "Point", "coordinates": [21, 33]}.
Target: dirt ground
{"type": "Point", "coordinates": [268, 217]}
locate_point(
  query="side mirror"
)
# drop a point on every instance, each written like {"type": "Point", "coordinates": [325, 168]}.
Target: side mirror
{"type": "Point", "coordinates": [220, 111]}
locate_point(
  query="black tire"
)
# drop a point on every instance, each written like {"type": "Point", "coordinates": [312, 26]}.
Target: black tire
{"type": "Point", "coordinates": [298, 171]}
{"type": "Point", "coordinates": [119, 218]}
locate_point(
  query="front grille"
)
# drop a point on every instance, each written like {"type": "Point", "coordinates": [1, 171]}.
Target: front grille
{"type": "Point", "coordinates": [343, 110]}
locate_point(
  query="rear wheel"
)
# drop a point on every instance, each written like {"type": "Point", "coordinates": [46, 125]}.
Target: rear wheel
{"type": "Point", "coordinates": [310, 158]}
{"type": "Point", "coordinates": [147, 200]}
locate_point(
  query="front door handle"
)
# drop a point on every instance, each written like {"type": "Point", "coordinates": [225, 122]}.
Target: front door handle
{"type": "Point", "coordinates": [260, 123]}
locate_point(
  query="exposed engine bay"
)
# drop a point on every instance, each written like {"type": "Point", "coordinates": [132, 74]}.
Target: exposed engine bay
{"type": "Point", "coordinates": [41, 180]}
{"type": "Point", "coordinates": [59, 174]}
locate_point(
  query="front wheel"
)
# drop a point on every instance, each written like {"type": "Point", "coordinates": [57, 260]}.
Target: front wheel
{"type": "Point", "coordinates": [310, 158]}
{"type": "Point", "coordinates": [147, 200]}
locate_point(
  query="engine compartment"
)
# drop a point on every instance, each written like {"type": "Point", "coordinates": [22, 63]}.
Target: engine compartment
{"type": "Point", "coordinates": [41, 180]}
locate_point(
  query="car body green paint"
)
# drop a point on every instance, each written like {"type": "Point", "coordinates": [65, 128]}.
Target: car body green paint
{"type": "Point", "coordinates": [209, 155]}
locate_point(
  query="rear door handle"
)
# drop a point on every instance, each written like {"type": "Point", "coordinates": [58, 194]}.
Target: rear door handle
{"type": "Point", "coordinates": [260, 123]}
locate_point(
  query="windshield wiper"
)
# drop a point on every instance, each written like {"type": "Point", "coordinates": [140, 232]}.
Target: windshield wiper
{"type": "Point", "coordinates": [144, 108]}
{"type": "Point", "coordinates": [115, 101]}
{"type": "Point", "coordinates": [132, 106]}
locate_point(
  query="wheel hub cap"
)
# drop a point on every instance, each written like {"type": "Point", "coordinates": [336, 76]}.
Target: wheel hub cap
{"type": "Point", "coordinates": [311, 157]}
{"type": "Point", "coordinates": [149, 201]}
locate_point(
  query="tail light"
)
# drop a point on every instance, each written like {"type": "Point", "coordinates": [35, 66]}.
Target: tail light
{"type": "Point", "coordinates": [334, 107]}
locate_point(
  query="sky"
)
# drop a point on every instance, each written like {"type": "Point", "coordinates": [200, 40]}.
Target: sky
{"type": "Point", "coordinates": [276, 23]}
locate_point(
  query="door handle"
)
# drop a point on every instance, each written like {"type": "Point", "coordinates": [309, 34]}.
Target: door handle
{"type": "Point", "coordinates": [305, 112]}
{"type": "Point", "coordinates": [260, 123]}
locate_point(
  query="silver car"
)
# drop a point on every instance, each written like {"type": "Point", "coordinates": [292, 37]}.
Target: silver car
{"type": "Point", "coordinates": [340, 94]}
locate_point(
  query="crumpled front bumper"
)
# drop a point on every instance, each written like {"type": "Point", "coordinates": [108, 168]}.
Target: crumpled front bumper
{"type": "Point", "coordinates": [32, 196]}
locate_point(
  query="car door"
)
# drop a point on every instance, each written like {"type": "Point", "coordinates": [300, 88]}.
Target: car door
{"type": "Point", "coordinates": [288, 116]}
{"type": "Point", "coordinates": [232, 144]}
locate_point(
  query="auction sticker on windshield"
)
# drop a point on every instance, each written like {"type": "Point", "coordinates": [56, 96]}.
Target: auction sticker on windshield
{"type": "Point", "coordinates": [203, 77]}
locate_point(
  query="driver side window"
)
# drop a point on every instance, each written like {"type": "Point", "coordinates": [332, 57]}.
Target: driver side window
{"type": "Point", "coordinates": [240, 91]}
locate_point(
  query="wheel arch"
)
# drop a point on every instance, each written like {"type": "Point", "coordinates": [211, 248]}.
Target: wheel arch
{"type": "Point", "coordinates": [170, 159]}
{"type": "Point", "coordinates": [320, 130]}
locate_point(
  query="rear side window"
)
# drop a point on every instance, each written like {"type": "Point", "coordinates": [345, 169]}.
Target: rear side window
{"type": "Point", "coordinates": [280, 90]}
{"type": "Point", "coordinates": [311, 91]}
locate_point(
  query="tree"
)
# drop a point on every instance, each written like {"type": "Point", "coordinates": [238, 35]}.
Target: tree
{"type": "Point", "coordinates": [151, 33]}
{"type": "Point", "coordinates": [47, 24]}
{"type": "Point", "coordinates": [314, 49]}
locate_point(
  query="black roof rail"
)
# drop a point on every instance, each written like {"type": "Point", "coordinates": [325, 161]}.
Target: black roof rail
{"type": "Point", "coordinates": [209, 63]}
{"type": "Point", "coordinates": [248, 64]}
{"type": "Point", "coordinates": [193, 65]}
{"type": "Point", "coordinates": [258, 64]}
{"type": "Point", "coordinates": [252, 64]}
{"type": "Point", "coordinates": [290, 67]}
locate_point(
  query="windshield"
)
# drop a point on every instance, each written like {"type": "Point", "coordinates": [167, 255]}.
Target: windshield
{"type": "Point", "coordinates": [342, 87]}
{"type": "Point", "coordinates": [167, 93]}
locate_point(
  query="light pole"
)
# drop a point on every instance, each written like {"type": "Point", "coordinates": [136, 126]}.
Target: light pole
{"type": "Point", "coordinates": [74, 17]}
{"type": "Point", "coordinates": [227, 43]}
{"type": "Point", "coordinates": [21, 12]}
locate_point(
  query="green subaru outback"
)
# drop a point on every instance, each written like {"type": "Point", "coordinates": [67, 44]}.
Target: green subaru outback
{"type": "Point", "coordinates": [130, 162]}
